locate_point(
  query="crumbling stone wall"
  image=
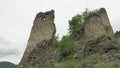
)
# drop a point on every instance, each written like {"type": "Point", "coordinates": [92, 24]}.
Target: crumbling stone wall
{"type": "Point", "coordinates": [43, 29]}
{"type": "Point", "coordinates": [94, 27]}
{"type": "Point", "coordinates": [45, 55]}
{"type": "Point", "coordinates": [97, 25]}
{"type": "Point", "coordinates": [105, 20]}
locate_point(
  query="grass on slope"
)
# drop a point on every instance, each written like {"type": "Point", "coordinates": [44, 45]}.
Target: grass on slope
{"type": "Point", "coordinates": [79, 63]}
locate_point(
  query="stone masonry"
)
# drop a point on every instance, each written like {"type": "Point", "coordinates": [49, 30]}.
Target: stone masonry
{"type": "Point", "coordinates": [42, 36]}
{"type": "Point", "coordinates": [40, 50]}
{"type": "Point", "coordinates": [102, 12]}
{"type": "Point", "coordinates": [97, 25]}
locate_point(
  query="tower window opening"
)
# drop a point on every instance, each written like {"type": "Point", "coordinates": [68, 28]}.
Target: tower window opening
{"type": "Point", "coordinates": [44, 18]}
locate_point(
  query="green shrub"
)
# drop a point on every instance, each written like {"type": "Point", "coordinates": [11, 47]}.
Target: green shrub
{"type": "Point", "coordinates": [29, 65]}
{"type": "Point", "coordinates": [66, 46]}
{"type": "Point", "coordinates": [117, 36]}
{"type": "Point", "coordinates": [76, 24]}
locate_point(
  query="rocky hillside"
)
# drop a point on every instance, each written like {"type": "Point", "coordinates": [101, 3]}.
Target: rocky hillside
{"type": "Point", "coordinates": [96, 46]}
{"type": "Point", "coordinates": [91, 43]}
{"type": "Point", "coordinates": [7, 65]}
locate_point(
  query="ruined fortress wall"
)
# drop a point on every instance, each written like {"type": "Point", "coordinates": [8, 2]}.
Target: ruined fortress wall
{"type": "Point", "coordinates": [94, 27]}
{"type": "Point", "coordinates": [98, 24]}
{"type": "Point", "coordinates": [102, 12]}
{"type": "Point", "coordinates": [43, 29]}
{"type": "Point", "coordinates": [45, 55]}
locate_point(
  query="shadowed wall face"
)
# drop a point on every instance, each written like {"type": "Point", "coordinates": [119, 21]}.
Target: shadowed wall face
{"type": "Point", "coordinates": [102, 12]}
{"type": "Point", "coordinates": [43, 30]}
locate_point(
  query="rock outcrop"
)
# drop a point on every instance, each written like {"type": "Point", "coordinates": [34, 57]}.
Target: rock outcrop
{"type": "Point", "coordinates": [39, 51]}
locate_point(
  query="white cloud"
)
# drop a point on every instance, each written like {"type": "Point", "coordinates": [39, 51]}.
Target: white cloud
{"type": "Point", "coordinates": [4, 53]}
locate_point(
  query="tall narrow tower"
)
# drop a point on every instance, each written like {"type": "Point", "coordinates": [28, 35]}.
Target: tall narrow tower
{"type": "Point", "coordinates": [106, 21]}
{"type": "Point", "coordinates": [42, 34]}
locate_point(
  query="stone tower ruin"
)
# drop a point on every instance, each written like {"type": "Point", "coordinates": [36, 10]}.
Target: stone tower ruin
{"type": "Point", "coordinates": [102, 12]}
{"type": "Point", "coordinates": [42, 52]}
{"type": "Point", "coordinates": [97, 25]}
{"type": "Point", "coordinates": [39, 49]}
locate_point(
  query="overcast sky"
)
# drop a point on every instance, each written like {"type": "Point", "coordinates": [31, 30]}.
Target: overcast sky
{"type": "Point", "coordinates": [16, 20]}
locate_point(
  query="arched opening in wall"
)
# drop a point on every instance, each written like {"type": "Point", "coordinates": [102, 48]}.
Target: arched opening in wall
{"type": "Point", "coordinates": [44, 18]}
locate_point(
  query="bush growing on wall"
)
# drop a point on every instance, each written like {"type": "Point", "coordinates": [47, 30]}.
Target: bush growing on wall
{"type": "Point", "coordinates": [76, 24]}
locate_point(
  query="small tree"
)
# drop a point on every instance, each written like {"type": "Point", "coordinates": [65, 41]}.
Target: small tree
{"type": "Point", "coordinates": [76, 24]}
{"type": "Point", "coordinates": [66, 46]}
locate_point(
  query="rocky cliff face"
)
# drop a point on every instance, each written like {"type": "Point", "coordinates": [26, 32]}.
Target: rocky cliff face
{"type": "Point", "coordinates": [39, 49]}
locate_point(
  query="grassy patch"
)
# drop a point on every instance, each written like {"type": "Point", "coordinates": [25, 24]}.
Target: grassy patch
{"type": "Point", "coordinates": [81, 63]}
{"type": "Point", "coordinates": [30, 65]}
{"type": "Point", "coordinates": [111, 64]}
